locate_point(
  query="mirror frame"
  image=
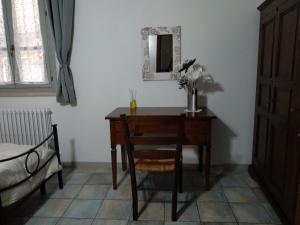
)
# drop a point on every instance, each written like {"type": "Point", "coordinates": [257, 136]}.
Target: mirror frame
{"type": "Point", "coordinates": [176, 34]}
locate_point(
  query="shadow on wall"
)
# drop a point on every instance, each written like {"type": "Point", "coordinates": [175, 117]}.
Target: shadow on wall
{"type": "Point", "coordinates": [73, 153]}
{"type": "Point", "coordinates": [222, 135]}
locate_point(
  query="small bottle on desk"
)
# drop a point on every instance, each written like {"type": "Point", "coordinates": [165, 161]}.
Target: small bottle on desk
{"type": "Point", "coordinates": [133, 100]}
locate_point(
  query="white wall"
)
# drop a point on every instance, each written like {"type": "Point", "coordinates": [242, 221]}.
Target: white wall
{"type": "Point", "coordinates": [107, 60]}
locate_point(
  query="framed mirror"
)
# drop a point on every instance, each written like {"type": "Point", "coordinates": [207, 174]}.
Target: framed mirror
{"type": "Point", "coordinates": [162, 52]}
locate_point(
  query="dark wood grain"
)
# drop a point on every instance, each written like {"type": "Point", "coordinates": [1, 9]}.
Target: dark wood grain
{"type": "Point", "coordinates": [197, 129]}
{"type": "Point", "coordinates": [276, 155]}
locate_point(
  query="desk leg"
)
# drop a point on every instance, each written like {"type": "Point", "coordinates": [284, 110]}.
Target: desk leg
{"type": "Point", "coordinates": [124, 158]}
{"type": "Point", "coordinates": [114, 166]}
{"type": "Point", "coordinates": [200, 157]}
{"type": "Point", "coordinates": [207, 167]}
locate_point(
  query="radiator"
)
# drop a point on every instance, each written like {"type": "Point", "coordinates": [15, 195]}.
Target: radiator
{"type": "Point", "coordinates": [24, 126]}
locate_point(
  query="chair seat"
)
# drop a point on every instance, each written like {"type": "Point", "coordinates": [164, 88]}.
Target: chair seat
{"type": "Point", "coordinates": [154, 160]}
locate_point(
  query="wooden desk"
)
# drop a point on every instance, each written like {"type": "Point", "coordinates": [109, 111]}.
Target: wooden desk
{"type": "Point", "coordinates": [197, 132]}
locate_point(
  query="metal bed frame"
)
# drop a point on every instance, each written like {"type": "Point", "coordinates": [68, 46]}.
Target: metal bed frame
{"type": "Point", "coordinates": [38, 168]}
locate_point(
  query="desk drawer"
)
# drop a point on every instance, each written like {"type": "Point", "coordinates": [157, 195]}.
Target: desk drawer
{"type": "Point", "coordinates": [197, 132]}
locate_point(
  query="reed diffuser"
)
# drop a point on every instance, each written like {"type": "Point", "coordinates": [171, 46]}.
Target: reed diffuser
{"type": "Point", "coordinates": [132, 99]}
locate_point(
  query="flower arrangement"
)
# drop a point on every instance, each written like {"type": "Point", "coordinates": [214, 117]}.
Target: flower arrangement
{"type": "Point", "coordinates": [193, 75]}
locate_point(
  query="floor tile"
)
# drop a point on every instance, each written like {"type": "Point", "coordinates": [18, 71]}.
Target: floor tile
{"type": "Point", "coordinates": [42, 221]}
{"type": "Point", "coordinates": [68, 221]}
{"type": "Point", "coordinates": [215, 212]}
{"type": "Point", "coordinates": [232, 181]}
{"type": "Point", "coordinates": [145, 222]}
{"type": "Point", "coordinates": [77, 178]}
{"type": "Point", "coordinates": [151, 211]}
{"type": "Point", "coordinates": [53, 208]}
{"type": "Point", "coordinates": [100, 178]}
{"type": "Point", "coordinates": [122, 192]}
{"type": "Point", "coordinates": [69, 191]}
{"type": "Point", "coordinates": [260, 195]}
{"type": "Point", "coordinates": [242, 195]}
{"type": "Point", "coordinates": [222, 224]}
{"type": "Point", "coordinates": [109, 222]}
{"type": "Point", "coordinates": [29, 207]}
{"type": "Point", "coordinates": [250, 213]}
{"type": "Point", "coordinates": [15, 221]}
{"type": "Point", "coordinates": [211, 196]}
{"type": "Point", "coordinates": [182, 223]}
{"type": "Point", "coordinates": [83, 209]}
{"type": "Point", "coordinates": [115, 209]}
{"type": "Point", "coordinates": [187, 196]}
{"type": "Point", "coordinates": [185, 211]}
{"type": "Point", "coordinates": [274, 218]}
{"type": "Point", "coordinates": [93, 192]}
{"type": "Point", "coordinates": [248, 179]}
{"type": "Point", "coordinates": [155, 196]}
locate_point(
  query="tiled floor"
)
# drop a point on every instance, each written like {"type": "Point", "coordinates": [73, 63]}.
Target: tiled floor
{"type": "Point", "coordinates": [88, 199]}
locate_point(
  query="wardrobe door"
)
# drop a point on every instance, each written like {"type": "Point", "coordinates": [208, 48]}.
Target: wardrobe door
{"type": "Point", "coordinates": [281, 152]}
{"type": "Point", "coordinates": [263, 92]}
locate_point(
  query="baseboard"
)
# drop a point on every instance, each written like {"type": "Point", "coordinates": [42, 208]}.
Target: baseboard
{"type": "Point", "coordinates": [226, 166]}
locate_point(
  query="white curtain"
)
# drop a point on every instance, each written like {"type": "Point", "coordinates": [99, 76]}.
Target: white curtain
{"type": "Point", "coordinates": [5, 71]}
{"type": "Point", "coordinates": [29, 51]}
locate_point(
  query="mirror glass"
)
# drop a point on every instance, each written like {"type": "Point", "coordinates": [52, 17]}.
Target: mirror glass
{"type": "Point", "coordinates": [161, 53]}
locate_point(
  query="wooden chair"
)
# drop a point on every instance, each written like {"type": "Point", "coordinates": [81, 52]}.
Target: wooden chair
{"type": "Point", "coordinates": [154, 160]}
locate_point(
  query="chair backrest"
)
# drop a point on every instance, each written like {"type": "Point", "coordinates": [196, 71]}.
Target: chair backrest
{"type": "Point", "coordinates": [153, 130]}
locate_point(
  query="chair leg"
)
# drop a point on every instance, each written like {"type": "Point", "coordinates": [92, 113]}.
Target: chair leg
{"type": "Point", "coordinates": [207, 168]}
{"type": "Point", "coordinates": [180, 177]}
{"type": "Point", "coordinates": [134, 194]}
{"type": "Point", "coordinates": [43, 189]}
{"type": "Point", "coordinates": [174, 197]}
{"type": "Point", "coordinates": [124, 158]}
{"type": "Point", "coordinates": [1, 213]}
{"type": "Point", "coordinates": [60, 180]}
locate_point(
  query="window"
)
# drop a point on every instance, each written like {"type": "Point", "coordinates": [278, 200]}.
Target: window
{"type": "Point", "coordinates": [27, 59]}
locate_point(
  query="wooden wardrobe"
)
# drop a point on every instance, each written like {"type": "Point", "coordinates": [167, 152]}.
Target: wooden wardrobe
{"type": "Point", "coordinates": [276, 148]}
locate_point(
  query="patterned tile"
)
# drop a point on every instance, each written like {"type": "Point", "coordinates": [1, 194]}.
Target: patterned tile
{"type": "Point", "coordinates": [211, 196]}
{"type": "Point", "coordinates": [145, 222]}
{"type": "Point", "coordinates": [53, 208]}
{"type": "Point", "coordinates": [242, 195]}
{"type": "Point", "coordinates": [42, 221]}
{"type": "Point", "coordinates": [77, 178]}
{"type": "Point", "coordinates": [93, 192]}
{"type": "Point", "coordinates": [250, 213]}
{"type": "Point", "coordinates": [110, 222]}
{"type": "Point", "coordinates": [215, 212]}
{"type": "Point", "coordinates": [274, 218]}
{"type": "Point", "coordinates": [100, 178]}
{"type": "Point", "coordinates": [68, 221]}
{"type": "Point", "coordinates": [151, 211]}
{"type": "Point", "coordinates": [122, 192]}
{"type": "Point", "coordinates": [69, 191]}
{"type": "Point", "coordinates": [185, 212]}
{"type": "Point", "coordinates": [115, 209]}
{"type": "Point", "coordinates": [83, 209]}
